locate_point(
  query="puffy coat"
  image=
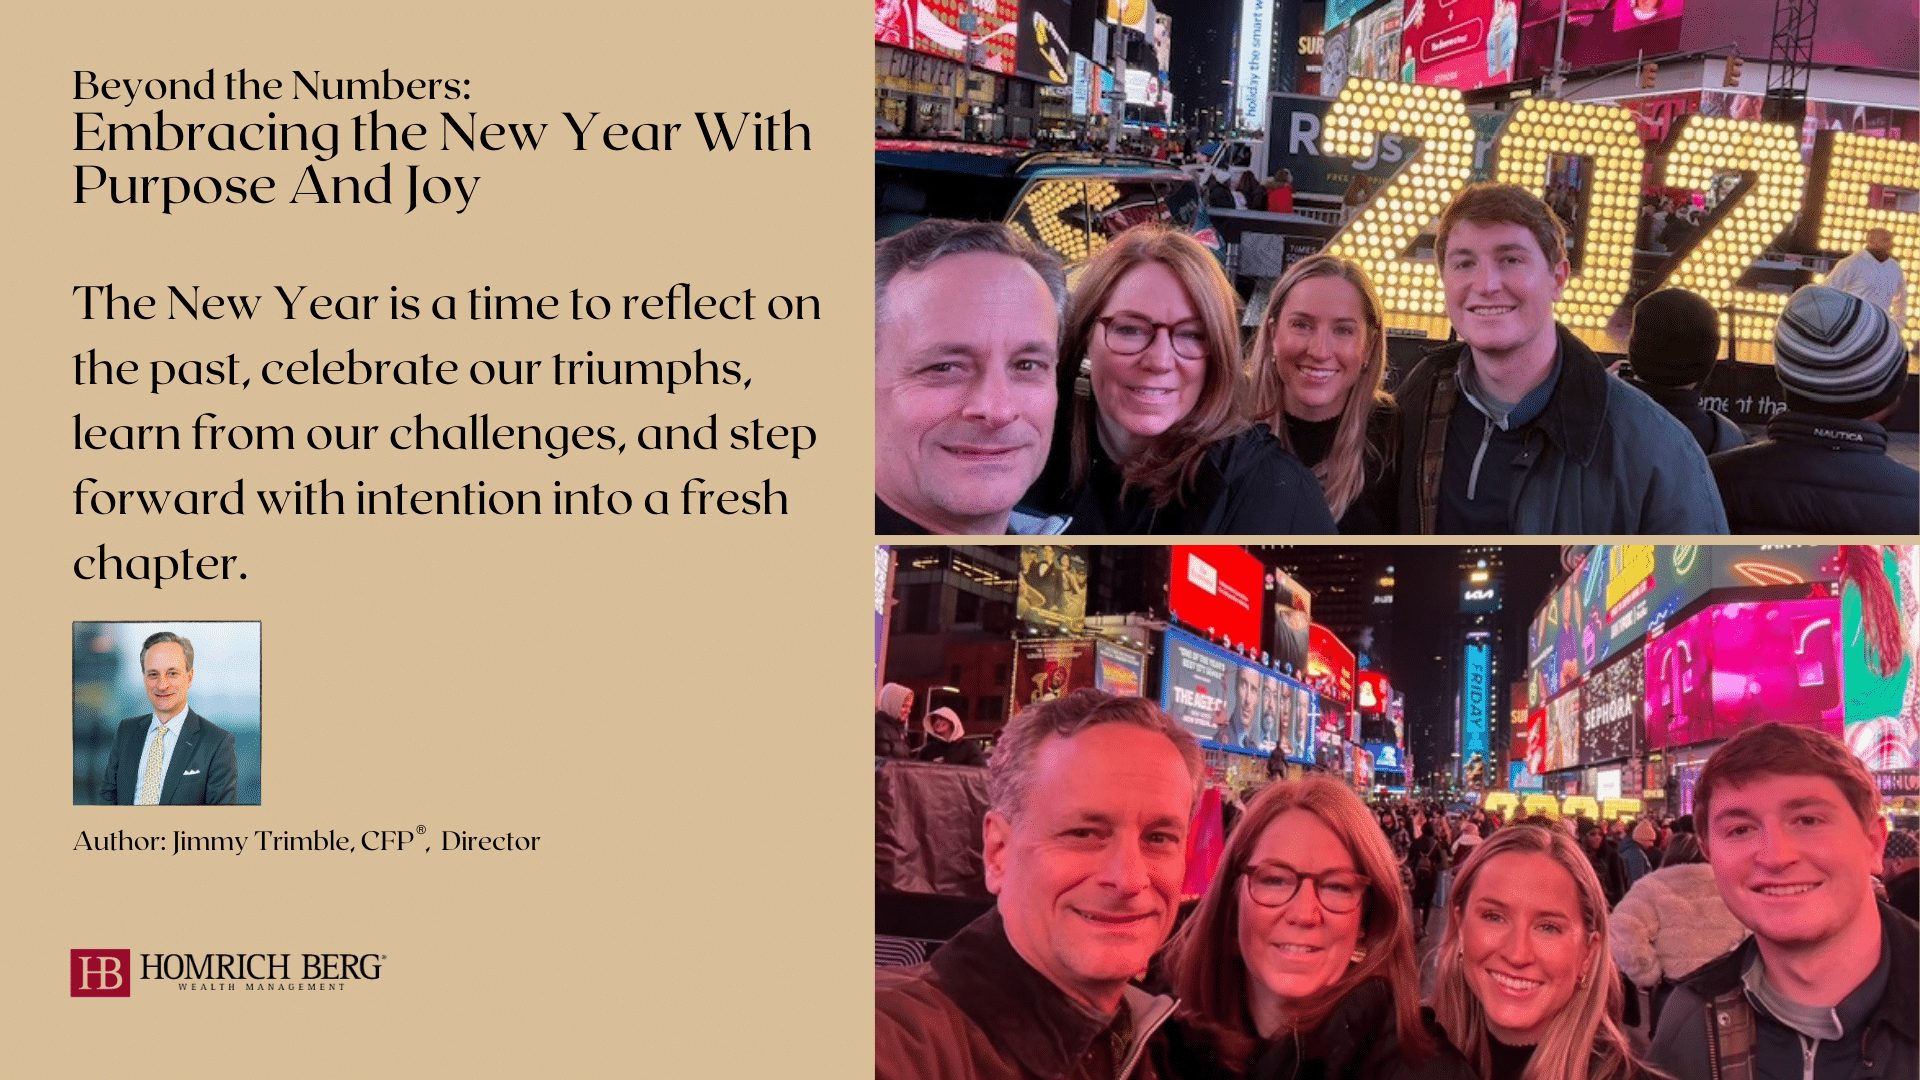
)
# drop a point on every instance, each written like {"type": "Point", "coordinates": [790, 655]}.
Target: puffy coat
{"type": "Point", "coordinates": [1671, 923]}
{"type": "Point", "coordinates": [1817, 474]}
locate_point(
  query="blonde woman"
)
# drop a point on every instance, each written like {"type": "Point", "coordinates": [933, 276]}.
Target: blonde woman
{"type": "Point", "coordinates": [1318, 365]}
{"type": "Point", "coordinates": [1526, 989]}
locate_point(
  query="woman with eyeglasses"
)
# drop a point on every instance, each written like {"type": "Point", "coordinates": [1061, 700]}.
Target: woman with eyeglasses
{"type": "Point", "coordinates": [1526, 989]}
{"type": "Point", "coordinates": [1299, 962]}
{"type": "Point", "coordinates": [1159, 441]}
{"type": "Point", "coordinates": [1319, 367]}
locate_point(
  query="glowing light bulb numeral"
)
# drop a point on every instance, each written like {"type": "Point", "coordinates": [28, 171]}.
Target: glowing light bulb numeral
{"type": "Point", "coordinates": [1398, 213]}
{"type": "Point", "coordinates": [1838, 213]}
{"type": "Point", "coordinates": [1538, 130]}
{"type": "Point", "coordinates": [1057, 215]}
{"type": "Point", "coordinates": [1703, 148]}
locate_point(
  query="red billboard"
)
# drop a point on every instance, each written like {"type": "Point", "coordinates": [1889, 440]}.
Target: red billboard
{"type": "Point", "coordinates": [1329, 664]}
{"type": "Point", "coordinates": [1216, 589]}
{"type": "Point", "coordinates": [934, 26]}
{"type": "Point", "coordinates": [1465, 44]}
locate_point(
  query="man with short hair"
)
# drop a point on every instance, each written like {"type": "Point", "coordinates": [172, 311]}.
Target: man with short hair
{"type": "Point", "coordinates": [173, 756]}
{"type": "Point", "coordinates": [1823, 467]}
{"type": "Point", "coordinates": [1091, 798]}
{"type": "Point", "coordinates": [1873, 275]}
{"type": "Point", "coordinates": [1828, 986]}
{"type": "Point", "coordinates": [966, 338]}
{"type": "Point", "coordinates": [1518, 428]}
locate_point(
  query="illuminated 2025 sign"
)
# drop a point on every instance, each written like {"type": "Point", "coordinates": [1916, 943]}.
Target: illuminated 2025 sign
{"type": "Point", "coordinates": [1836, 207]}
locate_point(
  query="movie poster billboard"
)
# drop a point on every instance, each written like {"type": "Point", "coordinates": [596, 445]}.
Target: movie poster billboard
{"type": "Point", "coordinates": [1735, 665]}
{"type": "Point", "coordinates": [1043, 53]}
{"type": "Point", "coordinates": [934, 26]}
{"type": "Point", "coordinates": [1118, 670]}
{"type": "Point", "coordinates": [1053, 587]}
{"type": "Point", "coordinates": [1612, 723]}
{"type": "Point", "coordinates": [1330, 664]}
{"type": "Point", "coordinates": [1882, 695]}
{"type": "Point", "coordinates": [1215, 589]}
{"type": "Point", "coordinates": [1226, 700]}
{"type": "Point", "coordinates": [1049, 668]}
{"type": "Point", "coordinates": [1563, 732]}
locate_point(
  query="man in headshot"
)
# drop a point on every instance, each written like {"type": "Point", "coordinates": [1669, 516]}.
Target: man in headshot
{"type": "Point", "coordinates": [173, 756]}
{"type": "Point", "coordinates": [1091, 798]}
{"type": "Point", "coordinates": [1517, 427]}
{"type": "Point", "coordinates": [966, 338]}
{"type": "Point", "coordinates": [1829, 983]}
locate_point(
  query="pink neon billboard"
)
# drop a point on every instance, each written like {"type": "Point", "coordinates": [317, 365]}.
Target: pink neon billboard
{"type": "Point", "coordinates": [1736, 665]}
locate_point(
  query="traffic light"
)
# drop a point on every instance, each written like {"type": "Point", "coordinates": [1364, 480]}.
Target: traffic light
{"type": "Point", "coordinates": [1731, 77]}
{"type": "Point", "coordinates": [1648, 73]}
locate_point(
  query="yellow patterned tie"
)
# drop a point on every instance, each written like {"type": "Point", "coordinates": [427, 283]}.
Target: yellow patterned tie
{"type": "Point", "coordinates": [150, 785]}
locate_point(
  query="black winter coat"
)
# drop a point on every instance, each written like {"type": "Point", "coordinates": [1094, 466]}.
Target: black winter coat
{"type": "Point", "coordinates": [1817, 474]}
{"type": "Point", "coordinates": [1359, 1041]}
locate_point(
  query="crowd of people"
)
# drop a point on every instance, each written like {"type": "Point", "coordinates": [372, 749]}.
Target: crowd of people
{"type": "Point", "coordinates": [1757, 921]}
{"type": "Point", "coordinates": [1133, 405]}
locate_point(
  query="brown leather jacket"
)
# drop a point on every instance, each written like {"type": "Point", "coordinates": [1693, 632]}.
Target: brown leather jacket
{"type": "Point", "coordinates": [977, 1011]}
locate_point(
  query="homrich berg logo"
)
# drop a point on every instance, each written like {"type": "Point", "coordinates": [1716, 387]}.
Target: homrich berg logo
{"type": "Point", "coordinates": [101, 972]}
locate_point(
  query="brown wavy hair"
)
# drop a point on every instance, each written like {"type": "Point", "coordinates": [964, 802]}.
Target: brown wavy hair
{"type": "Point", "coordinates": [1210, 976]}
{"type": "Point", "coordinates": [1343, 472]}
{"type": "Point", "coordinates": [1166, 466]}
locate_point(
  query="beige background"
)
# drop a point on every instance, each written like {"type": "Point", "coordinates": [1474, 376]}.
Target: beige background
{"type": "Point", "coordinates": [667, 702]}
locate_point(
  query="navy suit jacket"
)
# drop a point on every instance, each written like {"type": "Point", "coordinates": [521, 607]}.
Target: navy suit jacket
{"type": "Point", "coordinates": [203, 769]}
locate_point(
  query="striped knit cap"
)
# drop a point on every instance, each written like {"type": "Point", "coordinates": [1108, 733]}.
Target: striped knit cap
{"type": "Point", "coordinates": [1837, 355]}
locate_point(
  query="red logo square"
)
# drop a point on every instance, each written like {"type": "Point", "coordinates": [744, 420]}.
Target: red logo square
{"type": "Point", "coordinates": [102, 973]}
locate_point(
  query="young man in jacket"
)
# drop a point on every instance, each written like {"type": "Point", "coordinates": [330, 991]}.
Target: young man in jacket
{"type": "Point", "coordinates": [1091, 798]}
{"type": "Point", "coordinates": [1518, 428]}
{"type": "Point", "coordinates": [1828, 986]}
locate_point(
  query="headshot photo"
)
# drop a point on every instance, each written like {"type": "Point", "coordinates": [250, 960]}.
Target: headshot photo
{"type": "Point", "coordinates": [166, 714]}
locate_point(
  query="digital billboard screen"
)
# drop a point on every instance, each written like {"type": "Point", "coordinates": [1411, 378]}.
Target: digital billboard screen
{"type": "Point", "coordinates": [1042, 52]}
{"type": "Point", "coordinates": [1476, 698]}
{"type": "Point", "coordinates": [1563, 731]}
{"type": "Point", "coordinates": [1118, 670]}
{"type": "Point", "coordinates": [1228, 701]}
{"type": "Point", "coordinates": [1292, 614]}
{"type": "Point", "coordinates": [1045, 670]}
{"type": "Point", "coordinates": [1330, 664]}
{"type": "Point", "coordinates": [1465, 44]}
{"type": "Point", "coordinates": [1053, 587]}
{"type": "Point", "coordinates": [1386, 756]}
{"type": "Point", "coordinates": [1735, 665]}
{"type": "Point", "coordinates": [1216, 589]}
{"type": "Point", "coordinates": [1613, 721]}
{"type": "Point", "coordinates": [933, 26]}
{"type": "Point", "coordinates": [1882, 707]}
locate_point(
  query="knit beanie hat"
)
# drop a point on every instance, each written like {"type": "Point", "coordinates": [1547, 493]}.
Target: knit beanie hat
{"type": "Point", "coordinates": [1676, 335]}
{"type": "Point", "coordinates": [1643, 834]}
{"type": "Point", "coordinates": [1837, 355]}
{"type": "Point", "coordinates": [1901, 845]}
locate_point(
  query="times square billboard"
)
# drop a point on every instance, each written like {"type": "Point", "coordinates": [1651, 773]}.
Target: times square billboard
{"type": "Point", "coordinates": [1228, 701]}
{"type": "Point", "coordinates": [1735, 665]}
{"type": "Point", "coordinates": [1217, 590]}
{"type": "Point", "coordinates": [1882, 699]}
{"type": "Point", "coordinates": [1617, 592]}
{"type": "Point", "coordinates": [933, 26]}
{"type": "Point", "coordinates": [1476, 700]}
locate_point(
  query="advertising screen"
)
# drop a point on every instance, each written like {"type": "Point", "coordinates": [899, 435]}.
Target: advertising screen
{"type": "Point", "coordinates": [1614, 719]}
{"type": "Point", "coordinates": [1372, 692]}
{"type": "Point", "coordinates": [1045, 670]}
{"type": "Point", "coordinates": [1215, 590]}
{"type": "Point", "coordinates": [1250, 87]}
{"type": "Point", "coordinates": [1226, 700]}
{"type": "Point", "coordinates": [1521, 778]}
{"type": "Point", "coordinates": [933, 26]}
{"type": "Point", "coordinates": [1117, 670]}
{"type": "Point", "coordinates": [1466, 44]}
{"type": "Point", "coordinates": [1476, 698]}
{"type": "Point", "coordinates": [1563, 731]}
{"type": "Point", "coordinates": [1329, 664]}
{"type": "Point", "coordinates": [1053, 587]}
{"type": "Point", "coordinates": [1882, 702]}
{"type": "Point", "coordinates": [1042, 52]}
{"type": "Point", "coordinates": [1373, 47]}
{"type": "Point", "coordinates": [1362, 768]}
{"type": "Point", "coordinates": [1537, 740]}
{"type": "Point", "coordinates": [1386, 756]}
{"type": "Point", "coordinates": [882, 607]}
{"type": "Point", "coordinates": [1292, 613]}
{"type": "Point", "coordinates": [1735, 665]}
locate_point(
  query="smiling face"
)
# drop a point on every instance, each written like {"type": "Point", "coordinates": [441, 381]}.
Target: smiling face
{"type": "Point", "coordinates": [1299, 948]}
{"type": "Point", "coordinates": [964, 358]}
{"type": "Point", "coordinates": [1320, 343]}
{"type": "Point", "coordinates": [1792, 860]}
{"type": "Point", "coordinates": [1088, 875]}
{"type": "Point", "coordinates": [1524, 944]}
{"type": "Point", "coordinates": [167, 679]}
{"type": "Point", "coordinates": [1500, 293]}
{"type": "Point", "coordinates": [1142, 395]}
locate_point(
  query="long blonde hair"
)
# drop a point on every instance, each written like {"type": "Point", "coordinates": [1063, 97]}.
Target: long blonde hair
{"type": "Point", "coordinates": [1167, 465]}
{"type": "Point", "coordinates": [1210, 976]}
{"type": "Point", "coordinates": [1343, 472]}
{"type": "Point", "coordinates": [1583, 1042]}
